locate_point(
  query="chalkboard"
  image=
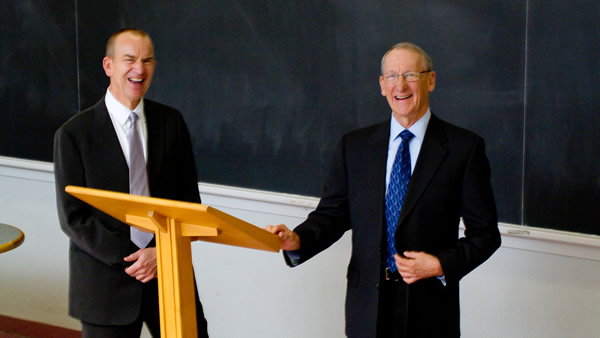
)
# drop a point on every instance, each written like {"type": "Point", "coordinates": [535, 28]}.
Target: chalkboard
{"type": "Point", "coordinates": [562, 162]}
{"type": "Point", "coordinates": [38, 75]}
{"type": "Point", "coordinates": [268, 87]}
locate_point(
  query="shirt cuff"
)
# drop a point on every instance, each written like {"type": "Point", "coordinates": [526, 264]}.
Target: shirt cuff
{"type": "Point", "coordinates": [293, 256]}
{"type": "Point", "coordinates": [442, 279]}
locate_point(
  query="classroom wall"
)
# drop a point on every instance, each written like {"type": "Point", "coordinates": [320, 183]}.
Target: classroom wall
{"type": "Point", "coordinates": [540, 283]}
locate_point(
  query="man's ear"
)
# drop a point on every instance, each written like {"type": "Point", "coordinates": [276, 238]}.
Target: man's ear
{"type": "Point", "coordinates": [431, 81]}
{"type": "Point", "coordinates": [107, 65]}
{"type": "Point", "coordinates": [382, 86]}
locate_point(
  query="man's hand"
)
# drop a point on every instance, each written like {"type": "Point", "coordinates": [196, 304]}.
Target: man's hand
{"type": "Point", "coordinates": [417, 265]}
{"type": "Point", "coordinates": [290, 241]}
{"type": "Point", "coordinates": [144, 268]}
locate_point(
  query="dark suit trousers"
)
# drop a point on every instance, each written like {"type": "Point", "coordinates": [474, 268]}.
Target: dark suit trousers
{"type": "Point", "coordinates": [149, 314]}
{"type": "Point", "coordinates": [393, 301]}
{"type": "Point", "coordinates": [394, 321]}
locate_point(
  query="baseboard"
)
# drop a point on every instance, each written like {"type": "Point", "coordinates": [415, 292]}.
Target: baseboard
{"type": "Point", "coordinates": [14, 327]}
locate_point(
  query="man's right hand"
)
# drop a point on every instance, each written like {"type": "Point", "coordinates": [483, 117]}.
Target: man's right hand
{"type": "Point", "coordinates": [290, 241]}
{"type": "Point", "coordinates": [144, 266]}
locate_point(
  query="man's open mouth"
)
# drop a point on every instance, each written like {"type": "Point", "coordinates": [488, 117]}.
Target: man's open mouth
{"type": "Point", "coordinates": [400, 98]}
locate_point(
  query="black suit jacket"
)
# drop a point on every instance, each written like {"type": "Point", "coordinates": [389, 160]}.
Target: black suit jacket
{"type": "Point", "coordinates": [87, 153]}
{"type": "Point", "coordinates": [451, 179]}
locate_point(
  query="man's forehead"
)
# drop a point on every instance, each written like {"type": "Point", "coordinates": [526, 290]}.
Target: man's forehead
{"type": "Point", "coordinates": [131, 44]}
{"type": "Point", "coordinates": [402, 57]}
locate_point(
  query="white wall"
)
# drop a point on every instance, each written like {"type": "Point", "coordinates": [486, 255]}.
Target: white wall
{"type": "Point", "coordinates": [539, 284]}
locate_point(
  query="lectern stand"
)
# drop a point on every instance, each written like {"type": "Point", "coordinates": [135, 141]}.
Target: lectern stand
{"type": "Point", "coordinates": [175, 225]}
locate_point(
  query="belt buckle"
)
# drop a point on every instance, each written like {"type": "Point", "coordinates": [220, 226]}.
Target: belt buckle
{"type": "Point", "coordinates": [392, 276]}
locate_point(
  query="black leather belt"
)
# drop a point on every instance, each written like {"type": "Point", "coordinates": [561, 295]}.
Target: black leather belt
{"type": "Point", "coordinates": [392, 276]}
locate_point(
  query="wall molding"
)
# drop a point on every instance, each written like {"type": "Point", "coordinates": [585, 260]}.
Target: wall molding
{"type": "Point", "coordinates": [514, 236]}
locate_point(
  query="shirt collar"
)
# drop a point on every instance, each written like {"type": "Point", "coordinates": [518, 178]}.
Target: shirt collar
{"type": "Point", "coordinates": [418, 128]}
{"type": "Point", "coordinates": [121, 113]}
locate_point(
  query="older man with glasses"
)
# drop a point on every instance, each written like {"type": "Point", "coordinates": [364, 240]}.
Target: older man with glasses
{"type": "Point", "coordinates": [402, 187]}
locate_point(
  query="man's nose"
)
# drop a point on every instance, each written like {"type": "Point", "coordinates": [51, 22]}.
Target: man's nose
{"type": "Point", "coordinates": [401, 83]}
{"type": "Point", "coordinates": [138, 65]}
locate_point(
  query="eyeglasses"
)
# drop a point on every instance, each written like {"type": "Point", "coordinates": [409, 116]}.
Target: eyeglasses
{"type": "Point", "coordinates": [391, 78]}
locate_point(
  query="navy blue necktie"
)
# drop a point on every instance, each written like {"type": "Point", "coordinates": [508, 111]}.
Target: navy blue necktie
{"type": "Point", "coordinates": [396, 192]}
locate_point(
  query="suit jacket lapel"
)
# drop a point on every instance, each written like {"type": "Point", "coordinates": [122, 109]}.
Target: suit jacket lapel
{"type": "Point", "coordinates": [110, 158]}
{"type": "Point", "coordinates": [155, 142]}
{"type": "Point", "coordinates": [378, 153]}
{"type": "Point", "coordinates": [431, 156]}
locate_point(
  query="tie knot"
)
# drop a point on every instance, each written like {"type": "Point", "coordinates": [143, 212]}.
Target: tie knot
{"type": "Point", "coordinates": [406, 135]}
{"type": "Point", "coordinates": [132, 119]}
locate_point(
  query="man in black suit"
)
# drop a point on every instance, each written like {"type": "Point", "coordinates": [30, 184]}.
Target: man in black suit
{"type": "Point", "coordinates": [414, 293]}
{"type": "Point", "coordinates": [112, 286]}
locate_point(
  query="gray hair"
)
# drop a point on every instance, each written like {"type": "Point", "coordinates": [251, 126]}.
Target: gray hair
{"type": "Point", "coordinates": [410, 46]}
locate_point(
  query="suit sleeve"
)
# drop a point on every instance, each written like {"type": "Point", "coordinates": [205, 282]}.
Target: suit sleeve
{"type": "Point", "coordinates": [331, 219]}
{"type": "Point", "coordinates": [86, 227]}
{"type": "Point", "coordinates": [478, 211]}
{"type": "Point", "coordinates": [188, 178]}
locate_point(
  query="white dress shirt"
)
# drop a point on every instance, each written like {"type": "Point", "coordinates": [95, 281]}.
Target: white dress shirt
{"type": "Point", "coordinates": [119, 115]}
{"type": "Point", "coordinates": [418, 129]}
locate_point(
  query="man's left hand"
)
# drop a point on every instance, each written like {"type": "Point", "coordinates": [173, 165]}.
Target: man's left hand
{"type": "Point", "coordinates": [415, 266]}
{"type": "Point", "coordinates": [144, 268]}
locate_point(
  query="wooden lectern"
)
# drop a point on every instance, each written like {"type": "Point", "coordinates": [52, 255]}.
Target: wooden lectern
{"type": "Point", "coordinates": [175, 225]}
